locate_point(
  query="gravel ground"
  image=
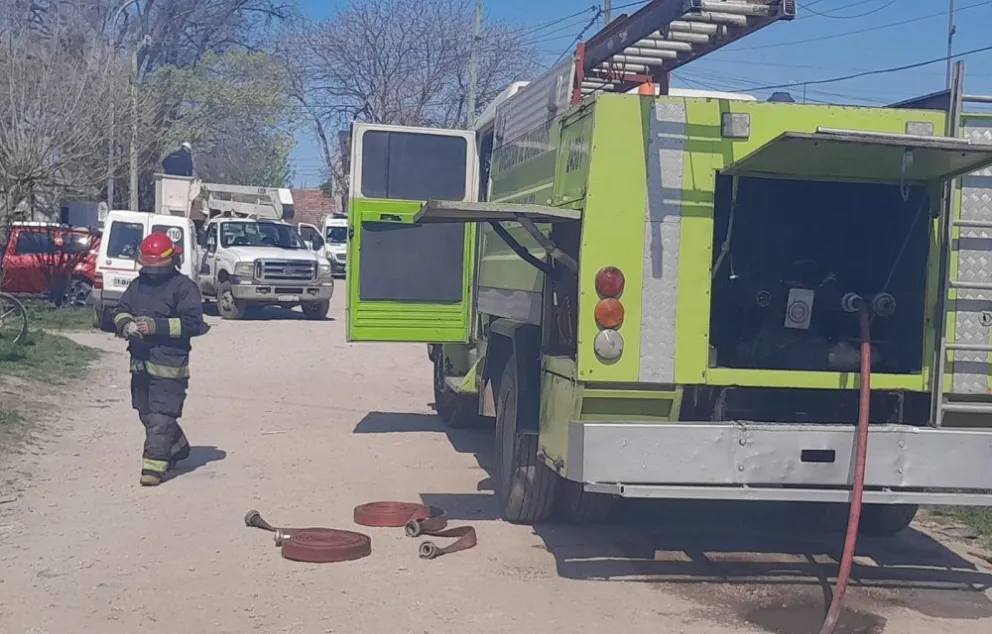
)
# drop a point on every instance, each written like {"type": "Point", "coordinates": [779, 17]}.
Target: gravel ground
{"type": "Point", "coordinates": [288, 418]}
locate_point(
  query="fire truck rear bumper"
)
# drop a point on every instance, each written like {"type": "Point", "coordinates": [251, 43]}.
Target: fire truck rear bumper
{"type": "Point", "coordinates": [783, 462]}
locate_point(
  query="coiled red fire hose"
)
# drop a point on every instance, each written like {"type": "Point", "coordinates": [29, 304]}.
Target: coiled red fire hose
{"type": "Point", "coordinates": [858, 487]}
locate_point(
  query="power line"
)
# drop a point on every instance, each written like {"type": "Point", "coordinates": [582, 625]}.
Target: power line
{"type": "Point", "coordinates": [824, 14]}
{"type": "Point", "coordinates": [880, 71]}
{"type": "Point", "coordinates": [578, 37]}
{"type": "Point", "coordinates": [880, 27]}
{"type": "Point", "coordinates": [530, 30]}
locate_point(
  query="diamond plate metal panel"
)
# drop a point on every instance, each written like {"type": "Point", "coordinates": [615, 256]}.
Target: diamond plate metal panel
{"type": "Point", "coordinates": [971, 370]}
{"type": "Point", "coordinates": [663, 218]}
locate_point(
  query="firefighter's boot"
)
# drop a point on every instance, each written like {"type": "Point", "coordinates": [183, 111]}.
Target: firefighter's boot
{"type": "Point", "coordinates": [180, 450]}
{"type": "Point", "coordinates": [160, 432]}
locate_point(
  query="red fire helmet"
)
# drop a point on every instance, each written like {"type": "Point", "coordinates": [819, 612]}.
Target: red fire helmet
{"type": "Point", "coordinates": [157, 250]}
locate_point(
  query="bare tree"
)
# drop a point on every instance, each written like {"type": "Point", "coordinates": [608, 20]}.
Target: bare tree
{"type": "Point", "coordinates": [397, 61]}
{"type": "Point", "coordinates": [56, 86]}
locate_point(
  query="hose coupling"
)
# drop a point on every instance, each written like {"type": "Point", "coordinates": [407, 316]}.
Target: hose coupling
{"type": "Point", "coordinates": [883, 304]}
{"type": "Point", "coordinates": [851, 302]}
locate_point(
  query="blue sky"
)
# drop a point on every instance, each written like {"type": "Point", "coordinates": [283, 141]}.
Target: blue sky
{"type": "Point", "coordinates": [813, 47]}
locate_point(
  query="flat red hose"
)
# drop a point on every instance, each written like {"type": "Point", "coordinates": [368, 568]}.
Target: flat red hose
{"type": "Point", "coordinates": [858, 488]}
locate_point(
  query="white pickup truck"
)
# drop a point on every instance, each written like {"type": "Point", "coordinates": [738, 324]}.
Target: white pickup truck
{"type": "Point", "coordinates": [246, 262]}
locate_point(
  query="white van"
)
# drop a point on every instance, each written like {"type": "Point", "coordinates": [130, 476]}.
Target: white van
{"type": "Point", "coordinates": [336, 243]}
{"type": "Point", "coordinates": [116, 263]}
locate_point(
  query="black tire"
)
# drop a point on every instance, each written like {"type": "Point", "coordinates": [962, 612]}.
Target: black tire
{"type": "Point", "coordinates": [525, 486]}
{"type": "Point", "coordinates": [13, 319]}
{"type": "Point", "coordinates": [317, 310]}
{"type": "Point", "coordinates": [576, 506]}
{"type": "Point", "coordinates": [78, 292]}
{"type": "Point", "coordinates": [455, 410]}
{"type": "Point", "coordinates": [227, 306]}
{"type": "Point", "coordinates": [886, 520]}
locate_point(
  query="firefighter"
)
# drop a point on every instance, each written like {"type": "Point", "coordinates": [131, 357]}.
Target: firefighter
{"type": "Point", "coordinates": [158, 314]}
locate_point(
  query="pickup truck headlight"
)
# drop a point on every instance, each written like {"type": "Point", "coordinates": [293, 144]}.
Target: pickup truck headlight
{"type": "Point", "coordinates": [244, 269]}
{"type": "Point", "coordinates": [324, 270]}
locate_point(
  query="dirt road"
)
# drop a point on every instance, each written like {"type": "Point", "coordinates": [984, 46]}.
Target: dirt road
{"type": "Point", "coordinates": [288, 418]}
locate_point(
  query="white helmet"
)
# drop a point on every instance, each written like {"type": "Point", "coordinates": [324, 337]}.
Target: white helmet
{"type": "Point", "coordinates": [186, 145]}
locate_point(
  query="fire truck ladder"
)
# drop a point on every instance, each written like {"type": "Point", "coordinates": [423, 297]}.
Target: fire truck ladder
{"type": "Point", "coordinates": [643, 48]}
{"type": "Point", "coordinates": [970, 391]}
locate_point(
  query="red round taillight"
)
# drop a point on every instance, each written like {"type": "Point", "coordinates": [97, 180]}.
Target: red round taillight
{"type": "Point", "coordinates": [609, 313]}
{"type": "Point", "coordinates": [609, 281]}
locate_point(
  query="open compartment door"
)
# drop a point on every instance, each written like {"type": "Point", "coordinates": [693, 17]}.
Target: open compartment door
{"type": "Point", "coordinates": [849, 155]}
{"type": "Point", "coordinates": [443, 211]}
{"type": "Point", "coordinates": [408, 281]}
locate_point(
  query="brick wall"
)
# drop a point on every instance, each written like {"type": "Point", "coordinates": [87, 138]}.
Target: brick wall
{"type": "Point", "coordinates": [312, 205]}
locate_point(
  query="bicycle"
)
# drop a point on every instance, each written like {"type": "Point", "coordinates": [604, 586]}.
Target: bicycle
{"type": "Point", "coordinates": [13, 319]}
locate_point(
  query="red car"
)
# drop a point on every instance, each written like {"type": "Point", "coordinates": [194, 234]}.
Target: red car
{"type": "Point", "coordinates": [39, 258]}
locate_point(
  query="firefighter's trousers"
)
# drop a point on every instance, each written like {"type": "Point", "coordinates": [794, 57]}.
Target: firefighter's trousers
{"type": "Point", "coordinates": [159, 402]}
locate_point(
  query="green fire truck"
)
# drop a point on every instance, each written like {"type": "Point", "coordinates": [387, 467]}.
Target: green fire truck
{"type": "Point", "coordinates": [651, 293]}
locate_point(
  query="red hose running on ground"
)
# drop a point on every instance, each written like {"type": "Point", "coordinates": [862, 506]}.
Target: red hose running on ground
{"type": "Point", "coordinates": [857, 489]}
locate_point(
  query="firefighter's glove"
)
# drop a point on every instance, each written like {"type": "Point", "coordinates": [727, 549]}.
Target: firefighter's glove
{"type": "Point", "coordinates": [131, 331]}
{"type": "Point", "coordinates": [146, 325]}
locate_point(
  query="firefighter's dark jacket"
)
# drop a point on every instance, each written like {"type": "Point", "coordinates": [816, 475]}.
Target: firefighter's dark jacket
{"type": "Point", "coordinates": [175, 306]}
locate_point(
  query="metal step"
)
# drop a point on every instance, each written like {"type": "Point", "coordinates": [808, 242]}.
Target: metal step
{"type": "Point", "coordinates": [666, 34]}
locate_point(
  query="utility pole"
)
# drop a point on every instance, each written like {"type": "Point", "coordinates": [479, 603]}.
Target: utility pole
{"type": "Point", "coordinates": [133, 155]}
{"type": "Point", "coordinates": [112, 44]}
{"type": "Point", "coordinates": [607, 11]}
{"type": "Point", "coordinates": [473, 65]}
{"type": "Point", "coordinates": [951, 29]}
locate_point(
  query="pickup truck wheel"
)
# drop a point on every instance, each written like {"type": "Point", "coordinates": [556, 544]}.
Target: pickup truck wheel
{"type": "Point", "coordinates": [227, 305]}
{"type": "Point", "coordinates": [317, 310]}
{"type": "Point", "coordinates": [577, 506]}
{"type": "Point", "coordinates": [525, 486]}
{"type": "Point", "coordinates": [455, 410]}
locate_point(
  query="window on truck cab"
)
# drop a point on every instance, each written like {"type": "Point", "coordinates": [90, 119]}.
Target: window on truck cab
{"type": "Point", "coordinates": [337, 235]}
{"type": "Point", "coordinates": [394, 166]}
{"type": "Point", "coordinates": [250, 233]}
{"type": "Point", "coordinates": [124, 240]}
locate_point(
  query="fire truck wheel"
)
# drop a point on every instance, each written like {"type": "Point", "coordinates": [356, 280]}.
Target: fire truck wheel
{"type": "Point", "coordinates": [886, 520]}
{"type": "Point", "coordinates": [455, 410]}
{"type": "Point", "coordinates": [576, 506]}
{"type": "Point", "coordinates": [525, 486]}
{"type": "Point", "coordinates": [317, 310]}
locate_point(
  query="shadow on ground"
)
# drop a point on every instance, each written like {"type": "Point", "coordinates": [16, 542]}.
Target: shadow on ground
{"type": "Point", "coordinates": [746, 559]}
{"type": "Point", "coordinates": [199, 456]}
{"type": "Point", "coordinates": [266, 313]}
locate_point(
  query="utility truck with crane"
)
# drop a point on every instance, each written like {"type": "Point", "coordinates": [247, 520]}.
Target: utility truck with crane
{"type": "Point", "coordinates": [660, 296]}
{"type": "Point", "coordinates": [238, 247]}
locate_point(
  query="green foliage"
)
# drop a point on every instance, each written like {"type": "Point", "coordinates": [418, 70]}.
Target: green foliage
{"type": "Point", "coordinates": [50, 359]}
{"type": "Point", "coordinates": [45, 316]}
{"type": "Point", "coordinates": [233, 109]}
{"type": "Point", "coordinates": [9, 418]}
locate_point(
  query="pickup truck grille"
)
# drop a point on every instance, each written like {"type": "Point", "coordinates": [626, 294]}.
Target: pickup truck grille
{"type": "Point", "coordinates": [287, 270]}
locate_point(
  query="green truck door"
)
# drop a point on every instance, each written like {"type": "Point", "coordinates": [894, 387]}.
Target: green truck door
{"type": "Point", "coordinates": [408, 281]}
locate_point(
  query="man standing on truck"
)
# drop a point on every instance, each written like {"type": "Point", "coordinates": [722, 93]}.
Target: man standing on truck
{"type": "Point", "coordinates": [158, 314]}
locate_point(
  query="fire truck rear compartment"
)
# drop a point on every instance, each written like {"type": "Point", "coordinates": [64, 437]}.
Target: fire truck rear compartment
{"type": "Point", "coordinates": [787, 252]}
